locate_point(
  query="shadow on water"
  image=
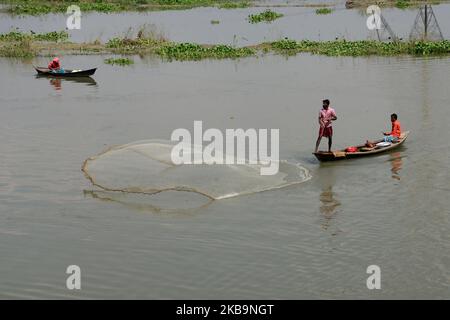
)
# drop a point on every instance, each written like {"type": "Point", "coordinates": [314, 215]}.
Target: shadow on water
{"type": "Point", "coordinates": [57, 82]}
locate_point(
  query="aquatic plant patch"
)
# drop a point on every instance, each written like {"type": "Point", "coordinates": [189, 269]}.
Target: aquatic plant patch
{"type": "Point", "coordinates": [361, 48]}
{"type": "Point", "coordinates": [53, 36]}
{"type": "Point", "coordinates": [234, 5]}
{"type": "Point", "coordinates": [119, 61]}
{"type": "Point", "coordinates": [402, 4]}
{"type": "Point", "coordinates": [324, 11]}
{"type": "Point", "coordinates": [265, 16]}
{"type": "Point", "coordinates": [192, 51]}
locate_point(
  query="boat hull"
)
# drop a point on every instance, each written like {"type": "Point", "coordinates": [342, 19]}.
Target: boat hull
{"type": "Point", "coordinates": [342, 155]}
{"type": "Point", "coordinates": [67, 74]}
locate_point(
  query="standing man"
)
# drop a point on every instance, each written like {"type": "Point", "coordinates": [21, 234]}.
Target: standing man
{"type": "Point", "coordinates": [326, 116]}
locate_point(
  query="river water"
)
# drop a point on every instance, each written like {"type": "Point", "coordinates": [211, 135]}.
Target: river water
{"type": "Point", "coordinates": [311, 240]}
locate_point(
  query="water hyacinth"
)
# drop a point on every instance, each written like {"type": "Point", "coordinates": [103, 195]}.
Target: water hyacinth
{"type": "Point", "coordinates": [402, 4]}
{"type": "Point", "coordinates": [53, 36]}
{"type": "Point", "coordinates": [361, 48]}
{"type": "Point", "coordinates": [119, 61]}
{"type": "Point", "coordinates": [265, 16]}
{"type": "Point", "coordinates": [324, 11]}
{"type": "Point", "coordinates": [38, 7]}
{"type": "Point", "coordinates": [192, 51]}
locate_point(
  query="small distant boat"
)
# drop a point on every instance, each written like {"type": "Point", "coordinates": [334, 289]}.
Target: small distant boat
{"type": "Point", "coordinates": [363, 151]}
{"type": "Point", "coordinates": [66, 73]}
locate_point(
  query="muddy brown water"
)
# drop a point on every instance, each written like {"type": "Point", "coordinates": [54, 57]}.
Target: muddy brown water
{"type": "Point", "coordinates": [313, 240]}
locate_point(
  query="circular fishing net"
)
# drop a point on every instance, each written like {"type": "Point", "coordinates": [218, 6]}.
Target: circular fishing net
{"type": "Point", "coordinates": [146, 167]}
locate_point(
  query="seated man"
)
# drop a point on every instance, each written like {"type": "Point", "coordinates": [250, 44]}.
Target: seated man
{"type": "Point", "coordinates": [392, 136]}
{"type": "Point", "coordinates": [396, 131]}
{"type": "Point", "coordinates": [55, 66]}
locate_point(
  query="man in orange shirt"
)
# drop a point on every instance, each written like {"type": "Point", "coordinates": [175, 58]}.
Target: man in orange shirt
{"type": "Point", "coordinates": [396, 130]}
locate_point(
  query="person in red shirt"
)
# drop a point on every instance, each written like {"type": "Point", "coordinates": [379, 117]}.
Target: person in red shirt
{"type": "Point", "coordinates": [326, 116]}
{"type": "Point", "coordinates": [396, 130]}
{"type": "Point", "coordinates": [54, 65]}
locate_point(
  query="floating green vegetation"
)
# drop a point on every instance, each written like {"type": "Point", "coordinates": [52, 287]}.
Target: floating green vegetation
{"type": "Point", "coordinates": [266, 16]}
{"type": "Point", "coordinates": [430, 48]}
{"type": "Point", "coordinates": [192, 51]}
{"type": "Point", "coordinates": [361, 48]}
{"type": "Point", "coordinates": [215, 21]}
{"type": "Point", "coordinates": [37, 7]}
{"type": "Point", "coordinates": [53, 36]}
{"type": "Point", "coordinates": [323, 11]}
{"type": "Point", "coordinates": [234, 5]}
{"type": "Point", "coordinates": [402, 4]}
{"type": "Point", "coordinates": [119, 61]}
{"type": "Point", "coordinates": [188, 3]}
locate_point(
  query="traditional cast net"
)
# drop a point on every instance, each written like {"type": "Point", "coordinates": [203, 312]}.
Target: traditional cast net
{"type": "Point", "coordinates": [146, 167]}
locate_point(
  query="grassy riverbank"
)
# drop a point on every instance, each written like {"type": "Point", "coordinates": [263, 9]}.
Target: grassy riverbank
{"type": "Point", "coordinates": [19, 44]}
{"type": "Point", "coordinates": [37, 7]}
{"type": "Point", "coordinates": [16, 44]}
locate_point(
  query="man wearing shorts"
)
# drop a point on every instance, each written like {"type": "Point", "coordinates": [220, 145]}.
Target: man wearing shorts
{"type": "Point", "coordinates": [326, 116]}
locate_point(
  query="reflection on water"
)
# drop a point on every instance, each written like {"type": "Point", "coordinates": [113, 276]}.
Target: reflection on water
{"type": "Point", "coordinates": [396, 164]}
{"type": "Point", "coordinates": [328, 201]}
{"type": "Point", "coordinates": [328, 206]}
{"type": "Point", "coordinates": [56, 82]}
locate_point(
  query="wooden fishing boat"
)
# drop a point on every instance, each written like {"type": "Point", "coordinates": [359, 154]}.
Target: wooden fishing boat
{"type": "Point", "coordinates": [66, 73]}
{"type": "Point", "coordinates": [363, 151]}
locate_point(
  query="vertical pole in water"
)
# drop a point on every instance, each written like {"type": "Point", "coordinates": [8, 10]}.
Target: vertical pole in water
{"type": "Point", "coordinates": [426, 22]}
{"type": "Point", "coordinates": [376, 25]}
